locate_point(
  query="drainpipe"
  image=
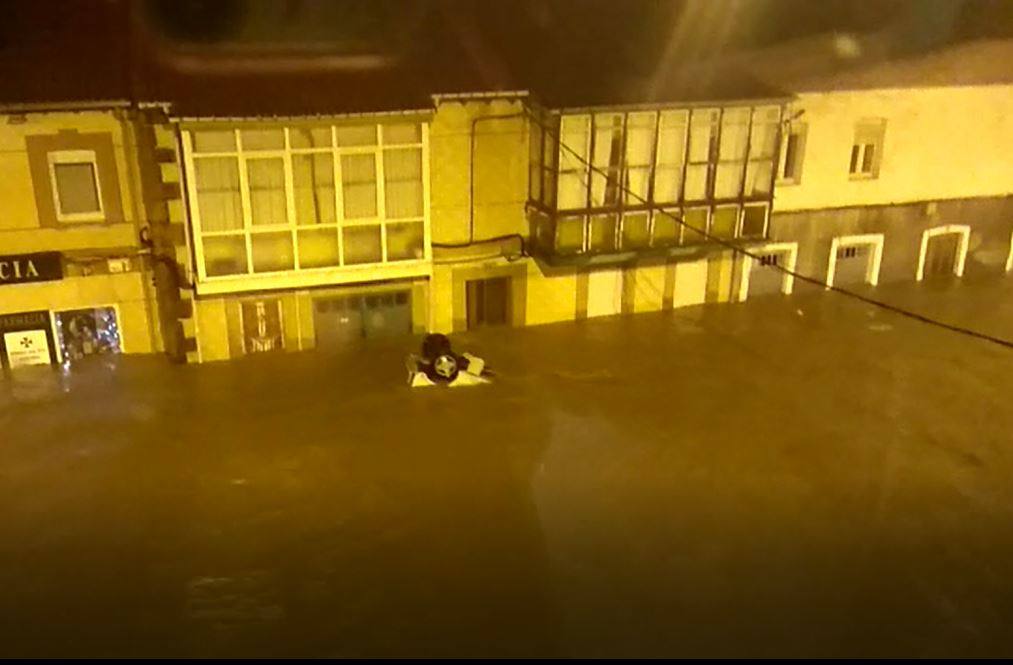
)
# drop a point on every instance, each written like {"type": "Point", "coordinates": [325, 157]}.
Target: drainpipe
{"type": "Point", "coordinates": [471, 191]}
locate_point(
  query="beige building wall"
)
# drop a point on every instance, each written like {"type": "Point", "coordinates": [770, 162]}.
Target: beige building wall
{"type": "Point", "coordinates": [939, 143]}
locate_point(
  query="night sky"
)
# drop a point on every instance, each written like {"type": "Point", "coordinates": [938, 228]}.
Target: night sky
{"type": "Point", "coordinates": [169, 50]}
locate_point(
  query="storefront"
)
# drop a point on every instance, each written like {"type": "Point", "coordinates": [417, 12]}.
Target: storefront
{"type": "Point", "coordinates": [56, 310]}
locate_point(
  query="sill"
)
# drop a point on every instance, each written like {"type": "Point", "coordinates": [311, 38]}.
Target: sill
{"type": "Point", "coordinates": [863, 176]}
{"type": "Point", "coordinates": [82, 219]}
{"type": "Point", "coordinates": [788, 182]}
{"type": "Point", "coordinates": [292, 279]}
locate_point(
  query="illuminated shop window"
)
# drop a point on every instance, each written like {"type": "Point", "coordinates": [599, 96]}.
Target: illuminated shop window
{"type": "Point", "coordinates": [87, 332]}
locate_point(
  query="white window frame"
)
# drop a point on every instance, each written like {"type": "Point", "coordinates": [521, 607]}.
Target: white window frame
{"type": "Point", "coordinates": [958, 264]}
{"type": "Point", "coordinates": [306, 277]}
{"type": "Point", "coordinates": [800, 130]}
{"type": "Point", "coordinates": [869, 128]}
{"type": "Point", "coordinates": [1009, 257]}
{"type": "Point", "coordinates": [875, 261]}
{"type": "Point", "coordinates": [75, 157]}
{"type": "Point", "coordinates": [789, 249]}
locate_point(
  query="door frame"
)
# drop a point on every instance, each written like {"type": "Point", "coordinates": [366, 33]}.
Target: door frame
{"type": "Point", "coordinates": [1009, 257]}
{"type": "Point", "coordinates": [875, 240]}
{"type": "Point", "coordinates": [787, 280]}
{"type": "Point", "coordinates": [958, 262]}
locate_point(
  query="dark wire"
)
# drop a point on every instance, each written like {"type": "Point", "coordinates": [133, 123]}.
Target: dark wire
{"type": "Point", "coordinates": [741, 250]}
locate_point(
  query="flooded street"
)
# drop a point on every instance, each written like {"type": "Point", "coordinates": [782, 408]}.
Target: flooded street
{"type": "Point", "coordinates": [790, 477]}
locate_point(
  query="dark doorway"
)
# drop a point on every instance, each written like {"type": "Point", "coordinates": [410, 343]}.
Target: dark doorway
{"type": "Point", "coordinates": [488, 302]}
{"type": "Point", "coordinates": [941, 255]}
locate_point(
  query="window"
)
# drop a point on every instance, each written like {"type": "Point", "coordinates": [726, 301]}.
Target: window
{"type": "Point", "coordinates": [847, 252]}
{"type": "Point", "coordinates": [867, 149]}
{"type": "Point", "coordinates": [618, 171]}
{"type": "Point", "coordinates": [307, 197]}
{"type": "Point", "coordinates": [703, 129]}
{"type": "Point", "coordinates": [87, 332]}
{"type": "Point", "coordinates": [762, 152]}
{"type": "Point", "coordinates": [74, 178]}
{"type": "Point", "coordinates": [792, 152]}
{"type": "Point", "coordinates": [574, 136]}
{"type": "Point", "coordinates": [671, 156]}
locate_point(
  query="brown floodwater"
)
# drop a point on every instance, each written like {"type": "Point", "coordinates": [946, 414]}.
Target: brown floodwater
{"type": "Point", "coordinates": [799, 476]}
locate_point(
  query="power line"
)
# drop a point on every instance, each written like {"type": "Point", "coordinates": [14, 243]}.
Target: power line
{"type": "Point", "coordinates": [756, 257]}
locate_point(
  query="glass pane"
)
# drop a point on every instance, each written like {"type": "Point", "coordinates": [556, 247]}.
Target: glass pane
{"type": "Point", "coordinates": [870, 150]}
{"type": "Point", "coordinates": [702, 125]}
{"type": "Point", "coordinates": [272, 251]}
{"type": "Point", "coordinates": [639, 139]}
{"type": "Point", "coordinates": [763, 140]}
{"type": "Point", "coordinates": [572, 191]}
{"type": "Point", "coordinates": [569, 234]}
{"type": "Point", "coordinates": [666, 184]}
{"type": "Point", "coordinates": [535, 163]}
{"type": "Point", "coordinates": [603, 233]}
{"type": "Point", "coordinates": [76, 188]}
{"type": "Point", "coordinates": [758, 178]}
{"type": "Point", "coordinates": [313, 182]}
{"type": "Point", "coordinates": [728, 180]}
{"type": "Point", "coordinates": [724, 222]}
{"type": "Point", "coordinates": [352, 135]}
{"type": "Point", "coordinates": [574, 134]}
{"type": "Point", "coordinates": [309, 137]}
{"type": "Point", "coordinates": [267, 191]}
{"type": "Point", "coordinates": [542, 230]}
{"type": "Point", "coordinates": [608, 139]}
{"type": "Point", "coordinates": [406, 133]}
{"type": "Point", "coordinates": [405, 241]}
{"type": "Point", "coordinates": [218, 200]}
{"type": "Point", "coordinates": [635, 230]}
{"type": "Point", "coordinates": [318, 248]}
{"type": "Point", "coordinates": [734, 130]}
{"type": "Point", "coordinates": [607, 159]}
{"type": "Point", "coordinates": [637, 185]}
{"type": "Point", "coordinates": [694, 219]}
{"type": "Point", "coordinates": [535, 181]}
{"type": "Point", "coordinates": [549, 187]}
{"type": "Point", "coordinates": [666, 228]}
{"type": "Point", "coordinates": [754, 220]}
{"type": "Point", "coordinates": [402, 173]}
{"type": "Point", "coordinates": [362, 244]}
{"type": "Point", "coordinates": [358, 175]}
{"type": "Point", "coordinates": [696, 182]}
{"type": "Point", "coordinates": [672, 141]}
{"type": "Point", "coordinates": [225, 255]}
{"type": "Point", "coordinates": [214, 141]}
{"type": "Point", "coordinates": [262, 139]}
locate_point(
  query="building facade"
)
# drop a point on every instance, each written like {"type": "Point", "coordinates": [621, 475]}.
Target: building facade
{"type": "Point", "coordinates": [882, 180]}
{"type": "Point", "coordinates": [129, 228]}
{"type": "Point", "coordinates": [74, 263]}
